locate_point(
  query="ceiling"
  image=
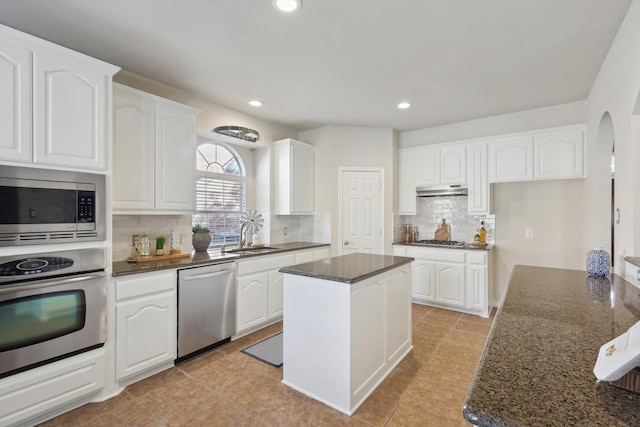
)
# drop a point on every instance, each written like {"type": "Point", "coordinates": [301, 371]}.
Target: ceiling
{"type": "Point", "coordinates": [345, 62]}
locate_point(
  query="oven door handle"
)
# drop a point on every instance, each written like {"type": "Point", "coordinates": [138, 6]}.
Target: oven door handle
{"type": "Point", "coordinates": [48, 283]}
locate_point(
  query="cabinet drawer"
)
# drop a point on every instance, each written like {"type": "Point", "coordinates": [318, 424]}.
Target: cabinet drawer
{"type": "Point", "coordinates": [304, 256]}
{"type": "Point", "coordinates": [450, 255]}
{"type": "Point", "coordinates": [477, 257]}
{"type": "Point", "coordinates": [145, 284]}
{"type": "Point", "coordinates": [264, 263]}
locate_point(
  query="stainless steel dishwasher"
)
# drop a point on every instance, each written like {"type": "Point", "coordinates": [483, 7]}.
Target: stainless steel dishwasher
{"type": "Point", "coordinates": [206, 307]}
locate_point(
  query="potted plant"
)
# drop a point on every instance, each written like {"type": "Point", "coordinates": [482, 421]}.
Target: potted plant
{"type": "Point", "coordinates": [201, 238]}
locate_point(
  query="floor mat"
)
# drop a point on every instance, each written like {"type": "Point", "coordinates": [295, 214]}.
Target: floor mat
{"type": "Point", "coordinates": [268, 351]}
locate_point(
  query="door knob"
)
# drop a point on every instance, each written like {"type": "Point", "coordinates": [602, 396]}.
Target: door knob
{"type": "Point", "coordinates": [346, 242]}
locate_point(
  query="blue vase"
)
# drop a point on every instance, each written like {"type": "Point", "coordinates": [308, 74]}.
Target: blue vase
{"type": "Point", "coordinates": [598, 262]}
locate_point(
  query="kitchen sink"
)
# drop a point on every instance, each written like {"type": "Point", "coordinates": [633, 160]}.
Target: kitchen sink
{"type": "Point", "coordinates": [250, 250]}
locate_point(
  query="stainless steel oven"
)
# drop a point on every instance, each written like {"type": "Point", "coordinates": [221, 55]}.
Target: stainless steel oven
{"type": "Point", "coordinates": [52, 306]}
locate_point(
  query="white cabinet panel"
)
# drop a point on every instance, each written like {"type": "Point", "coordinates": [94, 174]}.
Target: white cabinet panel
{"type": "Point", "coordinates": [559, 155]}
{"type": "Point", "coordinates": [253, 302]}
{"type": "Point", "coordinates": [175, 174]}
{"type": "Point", "coordinates": [427, 166]}
{"type": "Point", "coordinates": [450, 284]}
{"type": "Point", "coordinates": [423, 280]}
{"type": "Point", "coordinates": [15, 104]}
{"type": "Point", "coordinates": [407, 196]}
{"type": "Point", "coordinates": [146, 328]}
{"type": "Point", "coordinates": [511, 160]}
{"type": "Point", "coordinates": [479, 199]}
{"type": "Point", "coordinates": [70, 114]}
{"type": "Point", "coordinates": [275, 294]}
{"type": "Point", "coordinates": [477, 287]}
{"type": "Point", "coordinates": [453, 165]}
{"type": "Point", "coordinates": [133, 151]}
{"type": "Point", "coordinates": [294, 177]}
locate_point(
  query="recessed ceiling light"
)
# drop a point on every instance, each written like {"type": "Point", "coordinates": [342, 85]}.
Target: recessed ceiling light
{"type": "Point", "coordinates": [256, 103]}
{"type": "Point", "coordinates": [404, 105]}
{"type": "Point", "coordinates": [287, 6]}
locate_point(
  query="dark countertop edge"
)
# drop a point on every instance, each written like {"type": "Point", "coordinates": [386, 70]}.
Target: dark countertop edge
{"type": "Point", "coordinates": [635, 260]}
{"type": "Point", "coordinates": [466, 247]}
{"type": "Point", "coordinates": [124, 268]}
{"type": "Point", "coordinates": [401, 261]}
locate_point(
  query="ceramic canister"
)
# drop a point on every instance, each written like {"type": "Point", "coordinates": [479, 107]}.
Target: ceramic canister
{"type": "Point", "coordinates": [598, 262]}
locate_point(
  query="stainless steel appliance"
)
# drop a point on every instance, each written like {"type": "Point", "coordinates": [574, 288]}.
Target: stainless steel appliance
{"type": "Point", "coordinates": [434, 242]}
{"type": "Point", "coordinates": [206, 307]}
{"type": "Point", "coordinates": [49, 206]}
{"type": "Point", "coordinates": [52, 306]}
{"type": "Point", "coordinates": [442, 190]}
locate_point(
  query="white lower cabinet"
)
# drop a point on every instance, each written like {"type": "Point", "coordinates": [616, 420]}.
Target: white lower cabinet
{"type": "Point", "coordinates": [146, 316]}
{"type": "Point", "coordinates": [259, 298]}
{"type": "Point", "coordinates": [455, 279]}
{"type": "Point", "coordinates": [450, 284]}
{"type": "Point", "coordinates": [260, 287]}
{"type": "Point", "coordinates": [34, 396]}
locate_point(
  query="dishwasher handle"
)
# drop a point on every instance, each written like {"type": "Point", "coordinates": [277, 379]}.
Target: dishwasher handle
{"type": "Point", "coordinates": [207, 275]}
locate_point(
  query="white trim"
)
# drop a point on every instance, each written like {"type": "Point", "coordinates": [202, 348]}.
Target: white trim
{"type": "Point", "coordinates": [380, 170]}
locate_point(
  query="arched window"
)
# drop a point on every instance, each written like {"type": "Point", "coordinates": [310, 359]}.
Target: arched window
{"type": "Point", "coordinates": [220, 192]}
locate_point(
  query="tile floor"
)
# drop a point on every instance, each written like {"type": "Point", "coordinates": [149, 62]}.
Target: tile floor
{"type": "Point", "coordinates": [227, 388]}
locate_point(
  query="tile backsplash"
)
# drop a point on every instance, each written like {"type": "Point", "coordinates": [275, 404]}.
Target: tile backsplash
{"type": "Point", "coordinates": [300, 228]}
{"type": "Point", "coordinates": [429, 214]}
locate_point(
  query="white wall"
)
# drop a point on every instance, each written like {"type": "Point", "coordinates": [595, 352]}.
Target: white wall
{"type": "Point", "coordinates": [616, 91]}
{"type": "Point", "coordinates": [344, 146]}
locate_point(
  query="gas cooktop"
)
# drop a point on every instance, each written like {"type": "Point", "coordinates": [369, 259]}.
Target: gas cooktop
{"type": "Point", "coordinates": [439, 243]}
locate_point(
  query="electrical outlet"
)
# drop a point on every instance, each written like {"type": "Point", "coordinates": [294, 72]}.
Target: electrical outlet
{"type": "Point", "coordinates": [528, 233]}
{"type": "Point", "coordinates": [286, 231]}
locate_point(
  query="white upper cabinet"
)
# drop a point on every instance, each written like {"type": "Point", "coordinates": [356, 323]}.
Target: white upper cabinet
{"type": "Point", "coordinates": [427, 166]}
{"type": "Point", "coordinates": [294, 177]}
{"type": "Point", "coordinates": [453, 168]}
{"type": "Point", "coordinates": [154, 153]}
{"type": "Point", "coordinates": [55, 105]}
{"type": "Point", "coordinates": [511, 160]}
{"type": "Point", "coordinates": [547, 154]}
{"type": "Point", "coordinates": [15, 105]}
{"type": "Point", "coordinates": [445, 165]}
{"type": "Point", "coordinates": [559, 155]}
{"type": "Point", "coordinates": [407, 197]}
{"type": "Point", "coordinates": [479, 199]}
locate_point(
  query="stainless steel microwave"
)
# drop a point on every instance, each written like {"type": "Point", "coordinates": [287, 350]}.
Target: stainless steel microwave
{"type": "Point", "coordinates": [39, 206]}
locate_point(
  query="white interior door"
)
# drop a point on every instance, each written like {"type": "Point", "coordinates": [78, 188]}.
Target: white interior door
{"type": "Point", "coordinates": [361, 216]}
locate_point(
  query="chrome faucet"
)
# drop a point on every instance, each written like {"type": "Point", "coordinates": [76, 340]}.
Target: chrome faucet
{"type": "Point", "coordinates": [243, 234]}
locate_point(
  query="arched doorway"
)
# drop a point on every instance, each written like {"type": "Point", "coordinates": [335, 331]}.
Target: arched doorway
{"type": "Point", "coordinates": [605, 143]}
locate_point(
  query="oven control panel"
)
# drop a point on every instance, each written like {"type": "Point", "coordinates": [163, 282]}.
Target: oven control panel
{"type": "Point", "coordinates": [36, 265]}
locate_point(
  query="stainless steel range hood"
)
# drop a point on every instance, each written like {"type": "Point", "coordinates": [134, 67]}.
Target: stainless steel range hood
{"type": "Point", "coordinates": [442, 190]}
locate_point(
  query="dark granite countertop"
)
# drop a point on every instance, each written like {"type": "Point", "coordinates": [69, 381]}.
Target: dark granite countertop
{"type": "Point", "coordinates": [213, 256]}
{"type": "Point", "coordinates": [537, 365]}
{"type": "Point", "coordinates": [468, 246]}
{"type": "Point", "coordinates": [635, 260]}
{"type": "Point", "coordinates": [350, 268]}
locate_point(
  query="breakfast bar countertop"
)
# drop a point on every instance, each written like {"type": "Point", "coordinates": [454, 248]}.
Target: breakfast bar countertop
{"type": "Point", "coordinates": [537, 365]}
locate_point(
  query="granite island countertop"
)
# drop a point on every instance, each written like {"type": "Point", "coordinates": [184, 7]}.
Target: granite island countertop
{"type": "Point", "coordinates": [213, 256]}
{"type": "Point", "coordinates": [537, 365]}
{"type": "Point", "coordinates": [350, 268]}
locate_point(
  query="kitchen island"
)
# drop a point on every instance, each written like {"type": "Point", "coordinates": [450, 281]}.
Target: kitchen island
{"type": "Point", "coordinates": [347, 324]}
{"type": "Point", "coordinates": [537, 365]}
